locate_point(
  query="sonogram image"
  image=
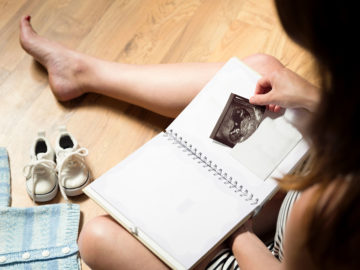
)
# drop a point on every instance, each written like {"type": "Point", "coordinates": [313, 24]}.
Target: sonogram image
{"type": "Point", "coordinates": [238, 121]}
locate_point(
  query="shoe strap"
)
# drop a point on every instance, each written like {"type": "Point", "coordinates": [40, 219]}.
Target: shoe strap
{"type": "Point", "coordinates": [79, 154]}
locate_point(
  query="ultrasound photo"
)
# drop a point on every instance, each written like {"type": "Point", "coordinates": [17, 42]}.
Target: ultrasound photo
{"type": "Point", "coordinates": [238, 121]}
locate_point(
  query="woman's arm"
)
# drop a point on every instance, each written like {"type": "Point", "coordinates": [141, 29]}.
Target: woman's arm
{"type": "Point", "coordinates": [251, 253]}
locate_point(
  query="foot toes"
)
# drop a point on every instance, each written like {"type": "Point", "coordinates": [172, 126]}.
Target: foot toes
{"type": "Point", "coordinates": [26, 31]}
{"type": "Point", "coordinates": [31, 42]}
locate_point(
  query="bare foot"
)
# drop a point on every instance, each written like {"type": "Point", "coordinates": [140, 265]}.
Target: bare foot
{"type": "Point", "coordinates": [66, 68]}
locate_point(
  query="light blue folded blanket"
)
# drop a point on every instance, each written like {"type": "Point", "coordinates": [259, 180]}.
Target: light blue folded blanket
{"type": "Point", "coordinates": [41, 237]}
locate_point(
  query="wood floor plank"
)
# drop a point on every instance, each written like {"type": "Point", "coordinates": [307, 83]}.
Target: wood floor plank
{"type": "Point", "coordinates": [164, 23]}
{"type": "Point", "coordinates": [114, 30]}
{"type": "Point", "coordinates": [8, 9]}
{"type": "Point", "coordinates": [203, 32]}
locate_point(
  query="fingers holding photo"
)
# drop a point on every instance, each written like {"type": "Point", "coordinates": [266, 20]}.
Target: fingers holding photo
{"type": "Point", "coordinates": [285, 89]}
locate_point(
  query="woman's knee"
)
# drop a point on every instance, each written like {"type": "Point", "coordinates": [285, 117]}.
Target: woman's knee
{"type": "Point", "coordinates": [95, 239]}
{"type": "Point", "coordinates": [104, 244]}
{"type": "Point", "coordinates": [263, 63]}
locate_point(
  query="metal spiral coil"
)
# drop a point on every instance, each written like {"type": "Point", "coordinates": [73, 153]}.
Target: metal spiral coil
{"type": "Point", "coordinates": [212, 167]}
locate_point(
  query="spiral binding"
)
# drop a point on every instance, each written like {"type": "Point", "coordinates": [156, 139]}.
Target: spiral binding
{"type": "Point", "coordinates": [212, 167]}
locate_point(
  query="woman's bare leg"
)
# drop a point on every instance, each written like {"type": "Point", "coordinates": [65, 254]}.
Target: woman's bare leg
{"type": "Point", "coordinates": [165, 89]}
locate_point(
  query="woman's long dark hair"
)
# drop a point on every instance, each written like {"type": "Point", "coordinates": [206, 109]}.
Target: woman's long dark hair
{"type": "Point", "coordinates": [328, 29]}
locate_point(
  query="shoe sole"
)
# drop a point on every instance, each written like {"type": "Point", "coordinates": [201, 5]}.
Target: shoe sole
{"type": "Point", "coordinates": [44, 197]}
{"type": "Point", "coordinates": [79, 190]}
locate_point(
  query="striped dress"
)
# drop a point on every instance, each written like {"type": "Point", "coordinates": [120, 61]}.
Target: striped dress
{"type": "Point", "coordinates": [225, 260]}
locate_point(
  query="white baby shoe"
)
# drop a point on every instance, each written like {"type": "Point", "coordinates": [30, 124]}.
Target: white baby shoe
{"type": "Point", "coordinates": [40, 173]}
{"type": "Point", "coordinates": [73, 173]}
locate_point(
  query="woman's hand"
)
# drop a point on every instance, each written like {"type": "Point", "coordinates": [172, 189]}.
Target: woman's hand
{"type": "Point", "coordinates": [283, 88]}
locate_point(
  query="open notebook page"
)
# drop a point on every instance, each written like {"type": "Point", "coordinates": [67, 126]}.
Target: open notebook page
{"type": "Point", "coordinates": [197, 121]}
{"type": "Point", "coordinates": [173, 199]}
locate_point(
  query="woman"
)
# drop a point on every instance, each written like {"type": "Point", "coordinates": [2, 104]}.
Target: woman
{"type": "Point", "coordinates": [321, 230]}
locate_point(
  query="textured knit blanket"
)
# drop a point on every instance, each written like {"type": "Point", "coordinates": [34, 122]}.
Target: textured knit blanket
{"type": "Point", "coordinates": [40, 237]}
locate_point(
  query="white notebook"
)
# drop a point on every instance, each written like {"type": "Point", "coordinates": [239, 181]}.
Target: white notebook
{"type": "Point", "coordinates": [182, 193]}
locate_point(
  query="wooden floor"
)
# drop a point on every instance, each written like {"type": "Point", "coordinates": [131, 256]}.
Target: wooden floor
{"type": "Point", "coordinates": [130, 31]}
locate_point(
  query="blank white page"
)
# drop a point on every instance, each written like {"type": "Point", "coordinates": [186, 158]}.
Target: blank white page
{"type": "Point", "coordinates": [173, 199]}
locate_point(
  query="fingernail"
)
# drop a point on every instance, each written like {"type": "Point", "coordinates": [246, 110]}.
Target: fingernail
{"type": "Point", "coordinates": [28, 17]}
